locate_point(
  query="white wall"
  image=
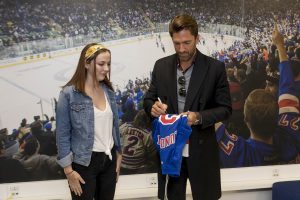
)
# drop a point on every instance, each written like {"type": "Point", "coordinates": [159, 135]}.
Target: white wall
{"type": "Point", "coordinates": [239, 183]}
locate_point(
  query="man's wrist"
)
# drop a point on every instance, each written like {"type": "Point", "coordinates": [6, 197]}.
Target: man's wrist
{"type": "Point", "coordinates": [198, 120]}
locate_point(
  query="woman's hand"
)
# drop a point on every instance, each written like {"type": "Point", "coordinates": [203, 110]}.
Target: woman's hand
{"type": "Point", "coordinates": [74, 180]}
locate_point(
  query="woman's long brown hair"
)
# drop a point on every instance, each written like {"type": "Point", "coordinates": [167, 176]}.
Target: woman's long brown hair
{"type": "Point", "coordinates": [79, 77]}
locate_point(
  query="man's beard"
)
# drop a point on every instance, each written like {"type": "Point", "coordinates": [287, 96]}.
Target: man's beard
{"type": "Point", "coordinates": [187, 56]}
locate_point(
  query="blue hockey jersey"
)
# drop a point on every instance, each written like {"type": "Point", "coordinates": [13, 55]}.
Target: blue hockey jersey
{"type": "Point", "coordinates": [170, 133]}
{"type": "Point", "coordinates": [288, 102]}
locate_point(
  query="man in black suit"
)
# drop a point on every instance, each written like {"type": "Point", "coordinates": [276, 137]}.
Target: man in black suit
{"type": "Point", "coordinates": [191, 83]}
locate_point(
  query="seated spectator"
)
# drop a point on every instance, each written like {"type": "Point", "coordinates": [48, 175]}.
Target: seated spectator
{"type": "Point", "coordinates": [11, 170]}
{"type": "Point", "coordinates": [39, 167]}
{"type": "Point", "coordinates": [139, 153]}
{"type": "Point", "coordinates": [235, 123]}
{"type": "Point", "coordinates": [14, 134]}
{"type": "Point", "coordinates": [129, 111]}
{"type": "Point", "coordinates": [11, 145]}
{"type": "Point", "coordinates": [272, 82]}
{"type": "Point", "coordinates": [46, 139]}
{"type": "Point", "coordinates": [48, 127]}
{"type": "Point", "coordinates": [53, 123]}
{"type": "Point", "coordinates": [24, 130]}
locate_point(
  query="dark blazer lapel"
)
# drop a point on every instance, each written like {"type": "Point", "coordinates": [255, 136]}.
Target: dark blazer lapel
{"type": "Point", "coordinates": [199, 72]}
{"type": "Point", "coordinates": [171, 75]}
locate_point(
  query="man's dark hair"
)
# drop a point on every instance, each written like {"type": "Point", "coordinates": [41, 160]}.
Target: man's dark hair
{"type": "Point", "coordinates": [260, 112]}
{"type": "Point", "coordinates": [31, 146]}
{"type": "Point", "coordinates": [37, 117]}
{"type": "Point", "coordinates": [36, 125]}
{"type": "Point", "coordinates": [23, 123]}
{"type": "Point", "coordinates": [141, 120]}
{"type": "Point", "coordinates": [183, 22]}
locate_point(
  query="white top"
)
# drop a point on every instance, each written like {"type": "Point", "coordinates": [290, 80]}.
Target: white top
{"type": "Point", "coordinates": [185, 151]}
{"type": "Point", "coordinates": [103, 123]}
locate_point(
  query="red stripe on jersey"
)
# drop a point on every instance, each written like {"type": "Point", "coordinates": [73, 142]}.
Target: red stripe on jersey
{"type": "Point", "coordinates": [288, 103]}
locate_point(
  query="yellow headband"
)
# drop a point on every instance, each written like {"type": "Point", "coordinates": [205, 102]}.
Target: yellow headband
{"type": "Point", "coordinates": [92, 49]}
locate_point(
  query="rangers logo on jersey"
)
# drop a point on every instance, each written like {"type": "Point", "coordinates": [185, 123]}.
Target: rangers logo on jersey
{"type": "Point", "coordinates": [168, 119]}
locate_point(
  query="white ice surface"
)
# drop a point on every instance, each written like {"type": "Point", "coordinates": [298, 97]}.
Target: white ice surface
{"type": "Point", "coordinates": [23, 85]}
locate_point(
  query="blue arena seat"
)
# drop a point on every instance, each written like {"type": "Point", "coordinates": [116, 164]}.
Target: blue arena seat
{"type": "Point", "coordinates": [286, 190]}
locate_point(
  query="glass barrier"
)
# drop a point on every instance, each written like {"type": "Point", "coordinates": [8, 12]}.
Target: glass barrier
{"type": "Point", "coordinates": [59, 43]}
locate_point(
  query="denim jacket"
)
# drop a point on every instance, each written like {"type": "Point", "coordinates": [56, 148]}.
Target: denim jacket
{"type": "Point", "coordinates": [75, 126]}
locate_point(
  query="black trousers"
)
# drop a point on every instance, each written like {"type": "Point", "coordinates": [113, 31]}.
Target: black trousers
{"type": "Point", "coordinates": [176, 186]}
{"type": "Point", "coordinates": [100, 177]}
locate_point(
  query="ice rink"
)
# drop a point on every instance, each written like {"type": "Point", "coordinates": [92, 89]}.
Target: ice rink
{"type": "Point", "coordinates": [24, 86]}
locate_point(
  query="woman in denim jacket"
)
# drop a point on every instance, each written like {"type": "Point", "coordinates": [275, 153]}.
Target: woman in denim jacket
{"type": "Point", "coordinates": [87, 133]}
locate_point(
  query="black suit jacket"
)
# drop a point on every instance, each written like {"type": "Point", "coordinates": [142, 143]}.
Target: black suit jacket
{"type": "Point", "coordinates": [208, 93]}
